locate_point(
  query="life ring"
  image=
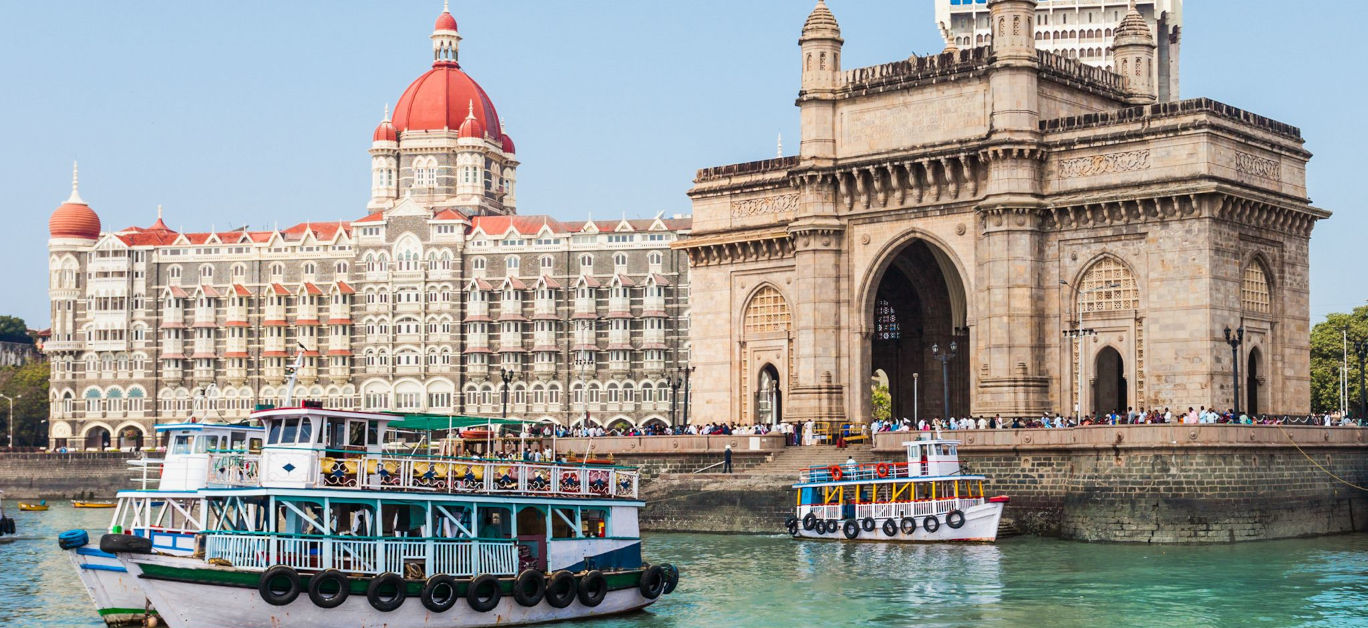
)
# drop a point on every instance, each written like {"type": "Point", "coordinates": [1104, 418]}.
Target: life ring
{"type": "Point", "coordinates": [439, 593]}
{"type": "Point", "coordinates": [867, 524]}
{"type": "Point", "coordinates": [560, 589]}
{"type": "Point", "coordinates": [269, 585]}
{"type": "Point", "coordinates": [882, 469]}
{"type": "Point", "coordinates": [71, 539]}
{"type": "Point", "coordinates": [484, 593]}
{"type": "Point", "coordinates": [890, 527]}
{"type": "Point", "coordinates": [931, 524]}
{"type": "Point", "coordinates": [850, 529]}
{"type": "Point", "coordinates": [530, 587]}
{"type": "Point", "coordinates": [329, 589]}
{"type": "Point", "coordinates": [671, 577]}
{"type": "Point", "coordinates": [835, 472]}
{"type": "Point", "coordinates": [652, 582]}
{"type": "Point", "coordinates": [908, 525]}
{"type": "Point", "coordinates": [954, 519]}
{"type": "Point", "coordinates": [809, 521]}
{"type": "Point", "coordinates": [593, 587]}
{"type": "Point", "coordinates": [378, 595]}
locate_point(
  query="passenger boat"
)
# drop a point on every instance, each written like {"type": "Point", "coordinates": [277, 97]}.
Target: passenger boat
{"type": "Point", "coordinates": [32, 507]}
{"type": "Point", "coordinates": [166, 509]}
{"type": "Point", "coordinates": [923, 499]}
{"type": "Point", "coordinates": [327, 526]}
{"type": "Point", "coordinates": [83, 504]}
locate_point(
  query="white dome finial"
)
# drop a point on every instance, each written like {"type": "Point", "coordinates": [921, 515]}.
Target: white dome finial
{"type": "Point", "coordinates": [387, 116]}
{"type": "Point", "coordinates": [779, 149]}
{"type": "Point", "coordinates": [470, 111]}
{"type": "Point", "coordinates": [75, 184]}
{"type": "Point", "coordinates": [159, 211]}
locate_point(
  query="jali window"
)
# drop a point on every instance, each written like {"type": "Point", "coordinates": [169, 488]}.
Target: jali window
{"type": "Point", "coordinates": [1108, 287]}
{"type": "Point", "coordinates": [768, 313]}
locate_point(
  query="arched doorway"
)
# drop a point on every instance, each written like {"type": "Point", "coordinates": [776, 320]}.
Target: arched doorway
{"type": "Point", "coordinates": [97, 438]}
{"type": "Point", "coordinates": [1109, 385]}
{"type": "Point", "coordinates": [1252, 382]}
{"type": "Point", "coordinates": [918, 303]}
{"type": "Point", "coordinates": [768, 401]}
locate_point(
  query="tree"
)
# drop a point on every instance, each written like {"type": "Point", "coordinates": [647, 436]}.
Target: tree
{"type": "Point", "coordinates": [28, 385]}
{"type": "Point", "coordinates": [13, 329]}
{"type": "Point", "coordinates": [882, 403]}
{"type": "Point", "coordinates": [1327, 358]}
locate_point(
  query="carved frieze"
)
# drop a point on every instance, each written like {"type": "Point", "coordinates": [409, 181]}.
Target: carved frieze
{"type": "Point", "coordinates": [1128, 161]}
{"type": "Point", "coordinates": [775, 204]}
{"type": "Point", "coordinates": [1256, 166]}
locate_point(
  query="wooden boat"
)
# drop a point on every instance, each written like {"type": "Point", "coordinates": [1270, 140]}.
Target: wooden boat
{"type": "Point", "coordinates": [475, 434]}
{"type": "Point", "coordinates": [31, 507]}
{"type": "Point", "coordinates": [81, 504]}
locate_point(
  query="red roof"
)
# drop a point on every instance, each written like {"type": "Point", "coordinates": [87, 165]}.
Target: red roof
{"type": "Point", "coordinates": [312, 289]}
{"type": "Point", "coordinates": [273, 323]}
{"type": "Point", "coordinates": [551, 281]}
{"type": "Point", "coordinates": [235, 354]}
{"type": "Point", "coordinates": [449, 214]}
{"type": "Point", "coordinates": [74, 220]}
{"type": "Point", "coordinates": [441, 99]}
{"type": "Point", "coordinates": [344, 288]}
{"type": "Point", "coordinates": [339, 321]}
{"type": "Point", "coordinates": [376, 217]}
{"type": "Point", "coordinates": [177, 292]}
{"type": "Point", "coordinates": [274, 354]}
{"type": "Point", "coordinates": [445, 22]}
{"type": "Point", "coordinates": [525, 225]}
{"type": "Point", "coordinates": [321, 230]}
{"type": "Point", "coordinates": [339, 352]}
{"type": "Point", "coordinates": [508, 146]}
{"type": "Point", "coordinates": [241, 290]}
{"type": "Point", "coordinates": [279, 290]}
{"type": "Point", "coordinates": [661, 280]}
{"type": "Point", "coordinates": [209, 291]}
{"type": "Point", "coordinates": [385, 132]}
{"type": "Point", "coordinates": [471, 127]}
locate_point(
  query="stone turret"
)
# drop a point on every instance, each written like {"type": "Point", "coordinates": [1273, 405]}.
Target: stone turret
{"type": "Point", "coordinates": [1013, 29]}
{"type": "Point", "coordinates": [821, 57]}
{"type": "Point", "coordinates": [1133, 52]}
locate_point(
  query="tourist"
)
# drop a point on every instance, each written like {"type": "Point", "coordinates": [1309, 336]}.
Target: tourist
{"type": "Point", "coordinates": [727, 459]}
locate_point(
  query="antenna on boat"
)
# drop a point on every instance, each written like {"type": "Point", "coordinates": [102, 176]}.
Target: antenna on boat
{"type": "Point", "coordinates": [294, 374]}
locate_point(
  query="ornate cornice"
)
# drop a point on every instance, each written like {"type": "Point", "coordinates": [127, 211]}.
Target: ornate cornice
{"type": "Point", "coordinates": [732, 248]}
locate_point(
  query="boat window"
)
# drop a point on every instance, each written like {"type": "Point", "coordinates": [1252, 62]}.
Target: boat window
{"type": "Point", "coordinates": [254, 445]}
{"type": "Point", "coordinates": [353, 519]}
{"type": "Point", "coordinates": [402, 520]}
{"type": "Point", "coordinates": [274, 437]}
{"type": "Point", "coordinates": [372, 434]}
{"type": "Point", "coordinates": [563, 523]}
{"type": "Point", "coordinates": [593, 523]}
{"type": "Point", "coordinates": [288, 434]}
{"type": "Point", "coordinates": [337, 433]}
{"type": "Point", "coordinates": [306, 430]}
{"type": "Point", "coordinates": [495, 524]}
{"type": "Point", "coordinates": [181, 445]}
{"type": "Point", "coordinates": [201, 444]}
{"type": "Point", "coordinates": [356, 433]}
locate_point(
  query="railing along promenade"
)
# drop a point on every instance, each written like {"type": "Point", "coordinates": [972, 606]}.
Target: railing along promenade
{"type": "Point", "coordinates": [365, 555]}
{"type": "Point", "coordinates": [668, 444]}
{"type": "Point", "coordinates": [1138, 436]}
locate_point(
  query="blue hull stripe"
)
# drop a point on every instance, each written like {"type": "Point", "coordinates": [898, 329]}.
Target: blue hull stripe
{"type": "Point", "coordinates": [627, 557]}
{"type": "Point", "coordinates": [86, 551]}
{"type": "Point", "coordinates": [103, 568]}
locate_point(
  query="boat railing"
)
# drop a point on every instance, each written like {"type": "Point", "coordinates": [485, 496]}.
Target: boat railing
{"type": "Point", "coordinates": [868, 471]}
{"type": "Point", "coordinates": [235, 469]}
{"type": "Point", "coordinates": [149, 474]}
{"type": "Point", "coordinates": [891, 510]}
{"type": "Point", "coordinates": [461, 476]}
{"type": "Point", "coordinates": [365, 555]}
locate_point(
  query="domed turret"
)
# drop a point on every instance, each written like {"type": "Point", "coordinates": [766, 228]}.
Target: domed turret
{"type": "Point", "coordinates": [1133, 52]}
{"type": "Point", "coordinates": [74, 218]}
{"type": "Point", "coordinates": [385, 132]}
{"type": "Point", "coordinates": [471, 127]}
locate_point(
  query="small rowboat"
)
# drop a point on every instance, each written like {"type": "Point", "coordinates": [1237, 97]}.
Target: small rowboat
{"type": "Point", "coordinates": [79, 504]}
{"type": "Point", "coordinates": [475, 434]}
{"type": "Point", "coordinates": [30, 507]}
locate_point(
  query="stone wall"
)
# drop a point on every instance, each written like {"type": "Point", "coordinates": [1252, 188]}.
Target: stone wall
{"type": "Point", "coordinates": [65, 476]}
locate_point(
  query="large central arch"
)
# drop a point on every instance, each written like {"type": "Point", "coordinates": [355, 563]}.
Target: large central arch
{"type": "Point", "coordinates": [913, 301]}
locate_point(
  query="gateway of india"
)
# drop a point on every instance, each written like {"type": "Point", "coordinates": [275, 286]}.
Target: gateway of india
{"type": "Point", "coordinates": [441, 299]}
{"type": "Point", "coordinates": [1006, 227]}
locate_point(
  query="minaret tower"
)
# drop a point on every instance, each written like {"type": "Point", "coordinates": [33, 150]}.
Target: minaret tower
{"type": "Point", "coordinates": [384, 164]}
{"type": "Point", "coordinates": [446, 42]}
{"type": "Point", "coordinates": [72, 229]}
{"type": "Point", "coordinates": [1133, 52]}
{"type": "Point", "coordinates": [821, 58]}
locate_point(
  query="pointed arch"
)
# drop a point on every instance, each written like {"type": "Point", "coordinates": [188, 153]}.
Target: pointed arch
{"type": "Point", "coordinates": [1256, 291]}
{"type": "Point", "coordinates": [766, 313]}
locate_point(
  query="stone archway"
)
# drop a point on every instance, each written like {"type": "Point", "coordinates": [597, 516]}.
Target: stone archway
{"type": "Point", "coordinates": [1252, 406]}
{"type": "Point", "coordinates": [1109, 383]}
{"type": "Point", "coordinates": [768, 397]}
{"type": "Point", "coordinates": [97, 437]}
{"type": "Point", "coordinates": [917, 303]}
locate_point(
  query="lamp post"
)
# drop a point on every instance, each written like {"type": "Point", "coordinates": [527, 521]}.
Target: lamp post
{"type": "Point", "coordinates": [916, 377]}
{"type": "Point", "coordinates": [507, 376]}
{"type": "Point", "coordinates": [1076, 335]}
{"type": "Point", "coordinates": [1235, 340]}
{"type": "Point", "coordinates": [674, 392]}
{"type": "Point", "coordinates": [11, 415]}
{"type": "Point", "coordinates": [687, 371]}
{"type": "Point", "coordinates": [944, 359]}
{"type": "Point", "coordinates": [1361, 350]}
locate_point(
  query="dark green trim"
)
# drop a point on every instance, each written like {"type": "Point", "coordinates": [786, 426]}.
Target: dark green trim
{"type": "Point", "coordinates": [126, 611]}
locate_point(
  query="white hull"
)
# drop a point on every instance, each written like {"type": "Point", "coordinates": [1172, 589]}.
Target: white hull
{"type": "Point", "coordinates": [118, 594]}
{"type": "Point", "coordinates": [197, 605]}
{"type": "Point", "coordinates": [980, 525]}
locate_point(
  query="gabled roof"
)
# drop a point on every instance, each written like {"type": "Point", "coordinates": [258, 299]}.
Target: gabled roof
{"type": "Point", "coordinates": [279, 290]}
{"type": "Point", "coordinates": [495, 226]}
{"type": "Point", "coordinates": [312, 289]}
{"type": "Point", "coordinates": [241, 290]}
{"type": "Point", "coordinates": [376, 217]}
{"type": "Point", "coordinates": [449, 214]}
{"type": "Point", "coordinates": [345, 288]}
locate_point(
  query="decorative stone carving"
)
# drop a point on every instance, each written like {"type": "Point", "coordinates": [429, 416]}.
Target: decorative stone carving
{"type": "Point", "coordinates": [744, 208]}
{"type": "Point", "coordinates": [1256, 166]}
{"type": "Point", "coordinates": [1128, 161]}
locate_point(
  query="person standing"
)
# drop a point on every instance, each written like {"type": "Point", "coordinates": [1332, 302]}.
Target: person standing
{"type": "Point", "coordinates": [727, 459]}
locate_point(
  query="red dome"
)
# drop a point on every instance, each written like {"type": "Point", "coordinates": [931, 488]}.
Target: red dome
{"type": "Point", "coordinates": [441, 99]}
{"type": "Point", "coordinates": [385, 133]}
{"type": "Point", "coordinates": [471, 128]}
{"type": "Point", "coordinates": [508, 146]}
{"type": "Point", "coordinates": [74, 220]}
{"type": "Point", "coordinates": [445, 22]}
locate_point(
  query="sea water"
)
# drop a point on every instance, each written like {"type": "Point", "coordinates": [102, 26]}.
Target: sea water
{"type": "Point", "coordinates": [750, 581]}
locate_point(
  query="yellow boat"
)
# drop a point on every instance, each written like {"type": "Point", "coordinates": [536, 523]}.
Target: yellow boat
{"type": "Point", "coordinates": [40, 506]}
{"type": "Point", "coordinates": [77, 504]}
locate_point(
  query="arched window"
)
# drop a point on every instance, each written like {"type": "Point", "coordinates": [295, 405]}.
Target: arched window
{"type": "Point", "coordinates": [767, 313]}
{"type": "Point", "coordinates": [206, 273]}
{"type": "Point", "coordinates": [886, 321]}
{"type": "Point", "coordinates": [1255, 296]}
{"type": "Point", "coordinates": [656, 258]}
{"type": "Point", "coordinates": [620, 261]}
{"type": "Point", "coordinates": [1108, 286]}
{"type": "Point", "coordinates": [587, 263]}
{"type": "Point", "coordinates": [174, 272]}
{"type": "Point", "coordinates": [511, 263]}
{"type": "Point", "coordinates": [547, 263]}
{"type": "Point", "coordinates": [478, 263]}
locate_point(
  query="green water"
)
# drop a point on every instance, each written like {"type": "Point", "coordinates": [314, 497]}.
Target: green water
{"type": "Point", "coordinates": [751, 581]}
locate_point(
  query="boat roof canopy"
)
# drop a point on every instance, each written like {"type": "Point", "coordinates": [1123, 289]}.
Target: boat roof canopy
{"type": "Point", "coordinates": [440, 422]}
{"type": "Point", "coordinates": [198, 427]}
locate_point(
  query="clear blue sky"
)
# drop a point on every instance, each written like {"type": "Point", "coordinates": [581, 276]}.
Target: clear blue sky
{"type": "Point", "coordinates": [255, 112]}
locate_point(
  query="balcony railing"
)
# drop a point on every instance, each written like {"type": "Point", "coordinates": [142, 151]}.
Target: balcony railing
{"type": "Point", "coordinates": [235, 469]}
{"type": "Point", "coordinates": [469, 476]}
{"type": "Point", "coordinates": [365, 555]}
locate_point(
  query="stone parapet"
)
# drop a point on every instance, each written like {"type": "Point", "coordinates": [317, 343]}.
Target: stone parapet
{"type": "Point", "coordinates": [61, 476]}
{"type": "Point", "coordinates": [1116, 437]}
{"type": "Point", "coordinates": [646, 445]}
{"type": "Point", "coordinates": [1168, 109]}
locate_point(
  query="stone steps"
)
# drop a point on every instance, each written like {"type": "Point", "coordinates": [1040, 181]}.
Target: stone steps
{"type": "Point", "coordinates": [792, 461]}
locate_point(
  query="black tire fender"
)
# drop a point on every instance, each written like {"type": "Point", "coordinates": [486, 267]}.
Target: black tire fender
{"type": "Point", "coordinates": [850, 529]}
{"type": "Point", "coordinates": [671, 577]}
{"type": "Point", "coordinates": [890, 527]}
{"type": "Point", "coordinates": [439, 593]}
{"type": "Point", "coordinates": [530, 587]}
{"type": "Point", "coordinates": [652, 582]}
{"type": "Point", "coordinates": [931, 524]}
{"type": "Point", "coordinates": [128, 544]}
{"type": "Point", "coordinates": [593, 587]}
{"type": "Point", "coordinates": [809, 521]}
{"type": "Point", "coordinates": [561, 589]}
{"type": "Point", "coordinates": [908, 525]}
{"type": "Point", "coordinates": [325, 599]}
{"type": "Point", "coordinates": [954, 519]}
{"type": "Point", "coordinates": [381, 601]}
{"type": "Point", "coordinates": [268, 584]}
{"type": "Point", "coordinates": [484, 593]}
{"type": "Point", "coordinates": [868, 524]}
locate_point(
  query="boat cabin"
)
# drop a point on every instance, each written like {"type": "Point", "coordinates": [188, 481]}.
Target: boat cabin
{"type": "Point", "coordinates": [189, 446]}
{"type": "Point", "coordinates": [300, 441]}
{"type": "Point", "coordinates": [932, 458]}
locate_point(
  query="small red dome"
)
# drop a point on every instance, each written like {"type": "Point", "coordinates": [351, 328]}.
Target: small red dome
{"type": "Point", "coordinates": [508, 146]}
{"type": "Point", "coordinates": [472, 128]}
{"type": "Point", "coordinates": [74, 220]}
{"type": "Point", "coordinates": [445, 22]}
{"type": "Point", "coordinates": [441, 99]}
{"type": "Point", "coordinates": [385, 133]}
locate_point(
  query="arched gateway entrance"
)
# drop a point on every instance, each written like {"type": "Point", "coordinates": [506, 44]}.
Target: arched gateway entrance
{"type": "Point", "coordinates": [1109, 387]}
{"type": "Point", "coordinates": [917, 303]}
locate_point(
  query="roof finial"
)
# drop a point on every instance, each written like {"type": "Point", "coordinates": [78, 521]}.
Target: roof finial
{"type": "Point", "coordinates": [470, 113]}
{"type": "Point", "coordinates": [75, 180]}
{"type": "Point", "coordinates": [779, 149]}
{"type": "Point", "coordinates": [447, 9]}
{"type": "Point", "coordinates": [387, 117]}
{"type": "Point", "coordinates": [159, 211]}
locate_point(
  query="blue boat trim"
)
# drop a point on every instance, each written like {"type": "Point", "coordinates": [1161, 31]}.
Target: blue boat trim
{"type": "Point", "coordinates": [91, 567]}
{"type": "Point", "coordinates": [90, 551]}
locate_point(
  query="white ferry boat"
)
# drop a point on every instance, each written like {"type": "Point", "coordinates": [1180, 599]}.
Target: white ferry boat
{"type": "Point", "coordinates": [167, 510]}
{"type": "Point", "coordinates": [924, 499]}
{"type": "Point", "coordinates": [325, 526]}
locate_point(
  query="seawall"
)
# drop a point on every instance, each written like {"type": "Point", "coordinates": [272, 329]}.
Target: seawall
{"type": "Point", "coordinates": [65, 476]}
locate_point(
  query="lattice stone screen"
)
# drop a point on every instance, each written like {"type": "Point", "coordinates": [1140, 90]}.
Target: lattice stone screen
{"type": "Point", "coordinates": [1254, 294]}
{"type": "Point", "coordinates": [1108, 287]}
{"type": "Point", "coordinates": [768, 313]}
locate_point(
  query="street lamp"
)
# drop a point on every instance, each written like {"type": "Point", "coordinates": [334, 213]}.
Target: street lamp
{"type": "Point", "coordinates": [944, 359]}
{"type": "Point", "coordinates": [1076, 335]}
{"type": "Point", "coordinates": [1235, 340]}
{"type": "Point", "coordinates": [1361, 350]}
{"type": "Point", "coordinates": [11, 415]}
{"type": "Point", "coordinates": [507, 376]}
{"type": "Point", "coordinates": [916, 377]}
{"type": "Point", "coordinates": [674, 392]}
{"type": "Point", "coordinates": [687, 371]}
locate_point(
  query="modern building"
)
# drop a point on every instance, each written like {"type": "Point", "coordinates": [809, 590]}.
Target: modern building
{"type": "Point", "coordinates": [428, 302]}
{"type": "Point", "coordinates": [1003, 229]}
{"type": "Point", "coordinates": [1078, 29]}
